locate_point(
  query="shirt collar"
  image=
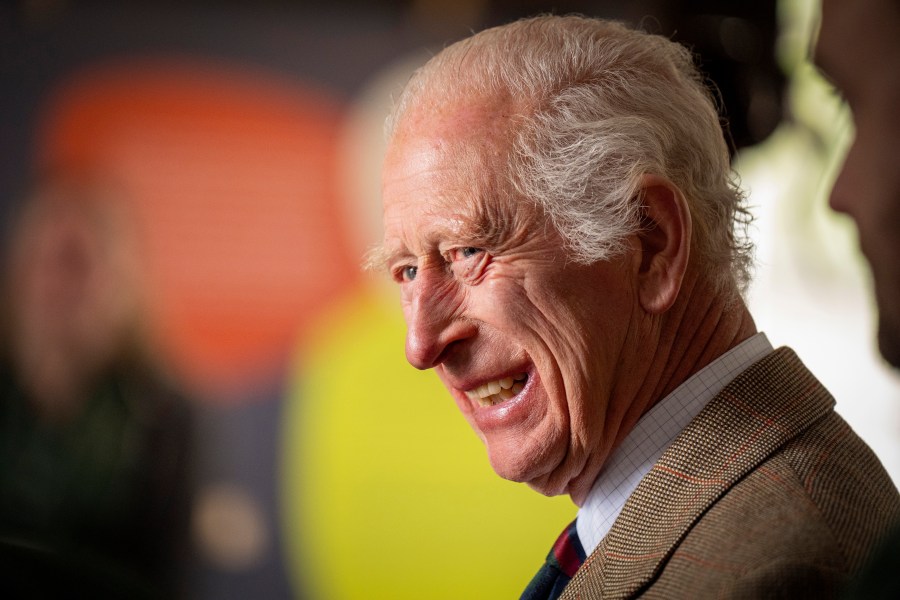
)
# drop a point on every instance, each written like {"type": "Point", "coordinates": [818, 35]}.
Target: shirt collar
{"type": "Point", "coordinates": [653, 433]}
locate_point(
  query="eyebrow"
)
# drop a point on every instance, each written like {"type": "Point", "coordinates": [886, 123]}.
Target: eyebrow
{"type": "Point", "coordinates": [377, 258]}
{"type": "Point", "coordinates": [490, 224]}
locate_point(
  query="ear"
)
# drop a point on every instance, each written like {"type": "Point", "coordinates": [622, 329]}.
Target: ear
{"type": "Point", "coordinates": [664, 240]}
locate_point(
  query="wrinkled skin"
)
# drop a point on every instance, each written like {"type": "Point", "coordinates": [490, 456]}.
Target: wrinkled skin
{"type": "Point", "coordinates": [487, 293]}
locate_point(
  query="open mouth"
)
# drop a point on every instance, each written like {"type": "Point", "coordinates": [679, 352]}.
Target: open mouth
{"type": "Point", "coordinates": [495, 392]}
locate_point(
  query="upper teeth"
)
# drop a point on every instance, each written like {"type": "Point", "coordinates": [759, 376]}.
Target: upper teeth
{"type": "Point", "coordinates": [493, 392]}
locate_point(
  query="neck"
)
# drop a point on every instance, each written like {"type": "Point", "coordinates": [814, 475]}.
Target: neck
{"type": "Point", "coordinates": [701, 326]}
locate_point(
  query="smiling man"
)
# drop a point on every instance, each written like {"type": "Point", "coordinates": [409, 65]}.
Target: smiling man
{"type": "Point", "coordinates": [560, 217]}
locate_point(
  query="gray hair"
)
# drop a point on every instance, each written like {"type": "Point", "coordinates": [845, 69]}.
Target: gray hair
{"type": "Point", "coordinates": [601, 105]}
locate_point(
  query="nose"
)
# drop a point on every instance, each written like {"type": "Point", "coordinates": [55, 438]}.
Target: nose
{"type": "Point", "coordinates": [434, 323]}
{"type": "Point", "coordinates": [845, 189]}
{"type": "Point", "coordinates": [837, 199]}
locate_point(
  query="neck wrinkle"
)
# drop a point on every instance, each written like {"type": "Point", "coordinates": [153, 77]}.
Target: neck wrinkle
{"type": "Point", "coordinates": [701, 326]}
{"type": "Point", "coordinates": [704, 327]}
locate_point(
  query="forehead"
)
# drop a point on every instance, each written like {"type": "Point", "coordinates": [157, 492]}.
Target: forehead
{"type": "Point", "coordinates": [448, 164]}
{"type": "Point", "coordinates": [853, 33]}
{"type": "Point", "coordinates": [465, 135]}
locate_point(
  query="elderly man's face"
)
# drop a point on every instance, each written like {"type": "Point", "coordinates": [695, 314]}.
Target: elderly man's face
{"type": "Point", "coordinates": [859, 49]}
{"type": "Point", "coordinates": [529, 344]}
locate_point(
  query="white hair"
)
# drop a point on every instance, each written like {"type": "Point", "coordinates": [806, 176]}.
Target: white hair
{"type": "Point", "coordinates": [600, 106]}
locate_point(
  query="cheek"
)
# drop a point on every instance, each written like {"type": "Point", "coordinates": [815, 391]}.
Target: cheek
{"type": "Point", "coordinates": [868, 185]}
{"type": "Point", "coordinates": [871, 170]}
{"type": "Point", "coordinates": [498, 300]}
{"type": "Point", "coordinates": [852, 189]}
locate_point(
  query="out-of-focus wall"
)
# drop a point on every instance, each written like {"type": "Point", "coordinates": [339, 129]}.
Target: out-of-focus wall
{"type": "Point", "coordinates": [243, 148]}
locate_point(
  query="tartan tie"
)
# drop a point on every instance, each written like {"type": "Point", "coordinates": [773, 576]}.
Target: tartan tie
{"type": "Point", "coordinates": [563, 560]}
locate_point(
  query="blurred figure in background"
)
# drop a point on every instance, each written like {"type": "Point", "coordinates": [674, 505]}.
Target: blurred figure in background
{"type": "Point", "coordinates": [859, 50]}
{"type": "Point", "coordinates": [94, 465]}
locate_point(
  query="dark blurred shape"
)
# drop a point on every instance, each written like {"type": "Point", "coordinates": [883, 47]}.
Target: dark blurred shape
{"type": "Point", "coordinates": [238, 533]}
{"type": "Point", "coordinates": [734, 43]}
{"type": "Point", "coordinates": [94, 443]}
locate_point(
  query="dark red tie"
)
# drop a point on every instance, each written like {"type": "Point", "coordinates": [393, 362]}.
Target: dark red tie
{"type": "Point", "coordinates": [563, 560]}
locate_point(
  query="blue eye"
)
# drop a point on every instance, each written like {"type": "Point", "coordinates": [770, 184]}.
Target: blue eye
{"type": "Point", "coordinates": [409, 273]}
{"type": "Point", "coordinates": [469, 252]}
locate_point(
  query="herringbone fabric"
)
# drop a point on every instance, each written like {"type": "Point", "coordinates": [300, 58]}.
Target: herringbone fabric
{"type": "Point", "coordinates": [767, 493]}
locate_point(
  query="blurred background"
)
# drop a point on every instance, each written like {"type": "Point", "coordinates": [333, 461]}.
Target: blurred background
{"type": "Point", "coordinates": [204, 397]}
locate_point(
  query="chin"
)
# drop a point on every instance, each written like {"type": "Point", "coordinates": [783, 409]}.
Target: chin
{"type": "Point", "coordinates": [535, 468]}
{"type": "Point", "coordinates": [889, 341]}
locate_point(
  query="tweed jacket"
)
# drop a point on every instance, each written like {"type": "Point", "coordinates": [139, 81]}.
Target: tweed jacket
{"type": "Point", "coordinates": [767, 493]}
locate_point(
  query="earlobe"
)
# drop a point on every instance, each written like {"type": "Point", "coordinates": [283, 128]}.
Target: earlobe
{"type": "Point", "coordinates": [665, 240]}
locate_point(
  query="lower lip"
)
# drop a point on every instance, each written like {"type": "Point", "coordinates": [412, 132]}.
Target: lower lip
{"type": "Point", "coordinates": [514, 410]}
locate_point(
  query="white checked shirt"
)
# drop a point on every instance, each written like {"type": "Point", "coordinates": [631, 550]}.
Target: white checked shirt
{"type": "Point", "coordinates": [652, 435]}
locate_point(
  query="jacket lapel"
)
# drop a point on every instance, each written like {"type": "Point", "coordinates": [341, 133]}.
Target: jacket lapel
{"type": "Point", "coordinates": [757, 413]}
